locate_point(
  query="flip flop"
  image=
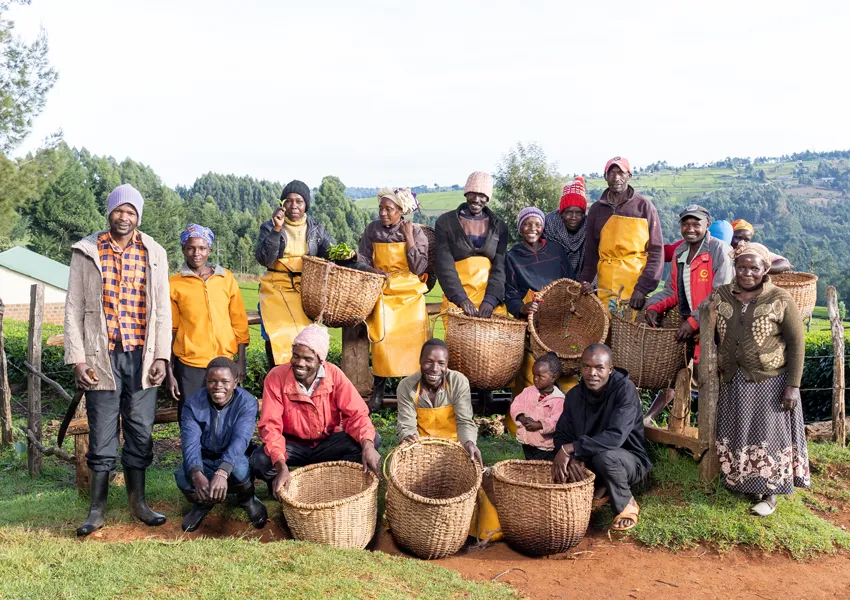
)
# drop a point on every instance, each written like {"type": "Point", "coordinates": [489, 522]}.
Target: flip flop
{"type": "Point", "coordinates": [630, 512]}
{"type": "Point", "coordinates": [763, 509]}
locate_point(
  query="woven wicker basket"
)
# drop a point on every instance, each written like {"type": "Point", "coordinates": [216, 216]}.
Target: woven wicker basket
{"type": "Point", "coordinates": [803, 287]}
{"type": "Point", "coordinates": [488, 351]}
{"type": "Point", "coordinates": [431, 492]}
{"type": "Point", "coordinates": [431, 270]}
{"type": "Point", "coordinates": [567, 322]}
{"type": "Point", "coordinates": [332, 503]}
{"type": "Point", "coordinates": [540, 517]}
{"type": "Point", "coordinates": [651, 355]}
{"type": "Point", "coordinates": [338, 296]}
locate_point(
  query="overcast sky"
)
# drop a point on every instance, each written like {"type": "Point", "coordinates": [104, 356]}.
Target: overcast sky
{"type": "Point", "coordinates": [408, 93]}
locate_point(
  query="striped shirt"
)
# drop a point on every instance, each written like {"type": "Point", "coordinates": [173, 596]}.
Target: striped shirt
{"type": "Point", "coordinates": [124, 272]}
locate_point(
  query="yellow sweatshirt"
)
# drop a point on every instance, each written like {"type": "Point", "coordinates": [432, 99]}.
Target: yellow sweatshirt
{"type": "Point", "coordinates": [208, 318]}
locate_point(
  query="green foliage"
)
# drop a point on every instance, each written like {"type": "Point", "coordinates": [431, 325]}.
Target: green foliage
{"type": "Point", "coordinates": [525, 178]}
{"type": "Point", "coordinates": [818, 375]}
{"type": "Point", "coordinates": [340, 216]}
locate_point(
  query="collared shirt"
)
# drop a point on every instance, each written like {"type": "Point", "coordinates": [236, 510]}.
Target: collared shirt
{"type": "Point", "coordinates": [124, 272]}
{"type": "Point", "coordinates": [686, 273]}
{"type": "Point", "coordinates": [456, 393]}
{"type": "Point", "coordinates": [320, 374]}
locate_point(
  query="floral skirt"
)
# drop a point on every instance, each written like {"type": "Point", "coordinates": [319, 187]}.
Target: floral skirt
{"type": "Point", "coordinates": [762, 448]}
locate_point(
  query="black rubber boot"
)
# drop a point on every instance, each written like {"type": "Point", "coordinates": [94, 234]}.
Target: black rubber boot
{"type": "Point", "coordinates": [376, 400]}
{"type": "Point", "coordinates": [98, 491]}
{"type": "Point", "coordinates": [192, 519]}
{"type": "Point", "coordinates": [246, 499]}
{"type": "Point", "coordinates": [134, 479]}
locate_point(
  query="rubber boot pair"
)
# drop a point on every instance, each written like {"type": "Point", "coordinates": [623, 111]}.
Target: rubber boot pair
{"type": "Point", "coordinates": [245, 498]}
{"type": "Point", "coordinates": [134, 479]}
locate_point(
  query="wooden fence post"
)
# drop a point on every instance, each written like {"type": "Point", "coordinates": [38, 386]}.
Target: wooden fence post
{"type": "Point", "coordinates": [709, 390]}
{"type": "Point", "coordinates": [33, 380]}
{"type": "Point", "coordinates": [6, 436]}
{"type": "Point", "coordinates": [839, 425]}
{"type": "Point", "coordinates": [355, 358]}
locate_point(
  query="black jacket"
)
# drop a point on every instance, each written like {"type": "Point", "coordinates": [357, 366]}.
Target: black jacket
{"type": "Point", "coordinates": [453, 245]}
{"type": "Point", "coordinates": [614, 419]}
{"type": "Point", "coordinates": [271, 244]}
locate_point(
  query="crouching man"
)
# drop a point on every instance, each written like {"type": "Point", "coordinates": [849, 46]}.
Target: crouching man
{"type": "Point", "coordinates": [601, 429]}
{"type": "Point", "coordinates": [311, 414]}
{"type": "Point", "coordinates": [217, 423]}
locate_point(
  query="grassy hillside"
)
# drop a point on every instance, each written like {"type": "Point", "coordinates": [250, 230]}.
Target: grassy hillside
{"type": "Point", "coordinates": [680, 184]}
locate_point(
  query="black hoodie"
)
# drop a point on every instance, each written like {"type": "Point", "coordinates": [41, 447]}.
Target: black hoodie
{"type": "Point", "coordinates": [613, 419]}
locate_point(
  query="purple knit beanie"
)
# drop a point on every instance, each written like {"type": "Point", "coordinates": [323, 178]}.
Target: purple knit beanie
{"type": "Point", "coordinates": [529, 211]}
{"type": "Point", "coordinates": [125, 194]}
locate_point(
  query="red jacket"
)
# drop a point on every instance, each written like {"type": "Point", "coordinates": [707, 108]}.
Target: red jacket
{"type": "Point", "coordinates": [710, 268]}
{"type": "Point", "coordinates": [289, 413]}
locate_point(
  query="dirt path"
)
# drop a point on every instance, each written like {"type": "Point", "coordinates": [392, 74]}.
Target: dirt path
{"type": "Point", "coordinates": [599, 567]}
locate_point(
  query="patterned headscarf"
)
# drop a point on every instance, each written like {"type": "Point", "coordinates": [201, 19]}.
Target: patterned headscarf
{"type": "Point", "coordinates": [403, 197]}
{"type": "Point", "coordinates": [194, 230]}
{"type": "Point", "coordinates": [752, 249]}
{"type": "Point", "coordinates": [529, 211]}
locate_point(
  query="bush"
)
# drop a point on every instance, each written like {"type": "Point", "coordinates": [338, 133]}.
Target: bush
{"type": "Point", "coordinates": [52, 359]}
{"type": "Point", "coordinates": [817, 374]}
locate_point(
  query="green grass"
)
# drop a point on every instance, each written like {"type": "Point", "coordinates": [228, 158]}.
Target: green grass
{"type": "Point", "coordinates": [39, 565]}
{"type": "Point", "coordinates": [432, 202]}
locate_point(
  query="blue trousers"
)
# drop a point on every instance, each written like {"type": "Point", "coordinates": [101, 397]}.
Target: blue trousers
{"type": "Point", "coordinates": [238, 476]}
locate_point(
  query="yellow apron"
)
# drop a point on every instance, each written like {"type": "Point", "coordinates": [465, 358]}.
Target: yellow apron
{"type": "Point", "coordinates": [474, 273]}
{"type": "Point", "coordinates": [440, 422]}
{"type": "Point", "coordinates": [398, 325]}
{"type": "Point", "coordinates": [280, 306]}
{"type": "Point", "coordinates": [622, 255]}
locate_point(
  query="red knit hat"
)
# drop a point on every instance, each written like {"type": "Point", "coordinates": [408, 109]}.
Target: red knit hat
{"type": "Point", "coordinates": [573, 195]}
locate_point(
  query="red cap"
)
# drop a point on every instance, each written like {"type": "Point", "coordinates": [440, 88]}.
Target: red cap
{"type": "Point", "coordinates": [573, 195]}
{"type": "Point", "coordinates": [621, 162]}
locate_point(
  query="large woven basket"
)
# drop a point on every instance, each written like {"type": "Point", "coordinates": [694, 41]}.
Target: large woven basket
{"type": "Point", "coordinates": [488, 351]}
{"type": "Point", "coordinates": [431, 492]}
{"type": "Point", "coordinates": [567, 322]}
{"type": "Point", "coordinates": [338, 296]}
{"type": "Point", "coordinates": [431, 270]}
{"type": "Point", "coordinates": [651, 355]}
{"type": "Point", "coordinates": [537, 516]}
{"type": "Point", "coordinates": [332, 503]}
{"type": "Point", "coordinates": [803, 288]}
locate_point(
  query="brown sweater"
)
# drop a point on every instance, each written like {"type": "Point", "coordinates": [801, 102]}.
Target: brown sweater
{"type": "Point", "coordinates": [766, 341]}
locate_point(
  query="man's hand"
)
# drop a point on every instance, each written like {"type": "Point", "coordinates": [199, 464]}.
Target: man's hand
{"type": "Point", "coordinates": [560, 466]}
{"type": "Point", "coordinates": [281, 480]}
{"type": "Point", "coordinates": [173, 388]}
{"type": "Point", "coordinates": [474, 452]}
{"type": "Point", "coordinates": [202, 486]}
{"type": "Point", "coordinates": [531, 425]}
{"type": "Point", "coordinates": [790, 398]}
{"type": "Point", "coordinates": [587, 287]}
{"type": "Point", "coordinates": [278, 217]}
{"type": "Point", "coordinates": [241, 369]}
{"type": "Point", "coordinates": [469, 308]}
{"type": "Point", "coordinates": [157, 371]}
{"type": "Point", "coordinates": [685, 332]}
{"type": "Point", "coordinates": [410, 438]}
{"type": "Point", "coordinates": [371, 458]}
{"type": "Point", "coordinates": [575, 470]}
{"type": "Point", "coordinates": [485, 311]}
{"type": "Point", "coordinates": [651, 318]}
{"type": "Point", "coordinates": [82, 376]}
{"type": "Point", "coordinates": [218, 486]}
{"type": "Point", "coordinates": [529, 308]}
{"type": "Point", "coordinates": [637, 300]}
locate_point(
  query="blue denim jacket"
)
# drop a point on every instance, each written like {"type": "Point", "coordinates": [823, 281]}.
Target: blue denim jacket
{"type": "Point", "coordinates": [208, 431]}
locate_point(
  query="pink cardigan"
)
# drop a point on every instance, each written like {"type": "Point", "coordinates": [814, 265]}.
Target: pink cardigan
{"type": "Point", "coordinates": [547, 411]}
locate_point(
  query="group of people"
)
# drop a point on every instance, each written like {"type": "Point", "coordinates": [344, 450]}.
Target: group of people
{"type": "Point", "coordinates": [129, 328]}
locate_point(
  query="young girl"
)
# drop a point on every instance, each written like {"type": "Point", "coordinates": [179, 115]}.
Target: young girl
{"type": "Point", "coordinates": [537, 408]}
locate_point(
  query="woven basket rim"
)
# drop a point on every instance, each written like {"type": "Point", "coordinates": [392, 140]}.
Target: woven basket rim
{"type": "Point", "coordinates": [532, 330]}
{"type": "Point", "coordinates": [641, 324]}
{"type": "Point", "coordinates": [365, 274]}
{"type": "Point", "coordinates": [499, 476]}
{"type": "Point", "coordinates": [494, 318]}
{"type": "Point", "coordinates": [799, 278]}
{"type": "Point", "coordinates": [435, 501]}
{"type": "Point", "coordinates": [373, 485]}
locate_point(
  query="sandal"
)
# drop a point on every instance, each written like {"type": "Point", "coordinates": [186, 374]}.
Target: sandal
{"type": "Point", "coordinates": [631, 512]}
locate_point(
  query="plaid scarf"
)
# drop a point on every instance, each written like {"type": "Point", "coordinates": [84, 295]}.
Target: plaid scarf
{"type": "Point", "coordinates": [555, 230]}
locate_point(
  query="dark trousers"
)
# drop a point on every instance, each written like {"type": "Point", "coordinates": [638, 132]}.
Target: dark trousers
{"type": "Point", "coordinates": [189, 381]}
{"type": "Point", "coordinates": [337, 446]}
{"type": "Point", "coordinates": [617, 470]}
{"type": "Point", "coordinates": [534, 453]}
{"type": "Point", "coordinates": [135, 406]}
{"type": "Point", "coordinates": [238, 476]}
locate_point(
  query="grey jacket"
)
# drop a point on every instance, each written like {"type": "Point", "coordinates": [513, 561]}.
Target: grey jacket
{"type": "Point", "coordinates": [86, 337]}
{"type": "Point", "coordinates": [271, 244]}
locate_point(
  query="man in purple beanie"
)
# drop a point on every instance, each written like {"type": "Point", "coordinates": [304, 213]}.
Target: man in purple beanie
{"type": "Point", "coordinates": [118, 339]}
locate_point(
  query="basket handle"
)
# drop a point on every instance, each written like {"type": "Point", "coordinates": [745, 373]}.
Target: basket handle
{"type": "Point", "coordinates": [432, 321]}
{"type": "Point", "coordinates": [325, 278]}
{"type": "Point", "coordinates": [422, 441]}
